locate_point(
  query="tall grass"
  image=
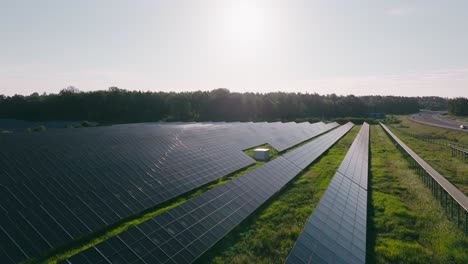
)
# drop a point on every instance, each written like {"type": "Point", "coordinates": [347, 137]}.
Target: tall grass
{"type": "Point", "coordinates": [438, 156]}
{"type": "Point", "coordinates": [405, 223]}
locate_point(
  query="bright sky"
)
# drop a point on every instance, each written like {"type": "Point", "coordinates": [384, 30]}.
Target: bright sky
{"type": "Point", "coordinates": [361, 47]}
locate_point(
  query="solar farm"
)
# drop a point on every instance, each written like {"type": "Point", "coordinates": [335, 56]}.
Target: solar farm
{"type": "Point", "coordinates": [189, 192]}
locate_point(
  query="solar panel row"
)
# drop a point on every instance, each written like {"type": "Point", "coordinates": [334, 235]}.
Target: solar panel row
{"type": "Point", "coordinates": [62, 184]}
{"type": "Point", "coordinates": [336, 231]}
{"type": "Point", "coordinates": [454, 201]}
{"type": "Point", "coordinates": [184, 233]}
{"type": "Point", "coordinates": [447, 186]}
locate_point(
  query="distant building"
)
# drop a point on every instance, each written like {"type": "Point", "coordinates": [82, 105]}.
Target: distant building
{"type": "Point", "coordinates": [376, 115]}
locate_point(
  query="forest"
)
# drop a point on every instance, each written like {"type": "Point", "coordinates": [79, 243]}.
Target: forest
{"type": "Point", "coordinates": [458, 106]}
{"type": "Point", "coordinates": [117, 105]}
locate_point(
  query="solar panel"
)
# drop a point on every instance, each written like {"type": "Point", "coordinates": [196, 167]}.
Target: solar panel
{"type": "Point", "coordinates": [290, 136]}
{"type": "Point", "coordinates": [304, 155]}
{"type": "Point", "coordinates": [183, 233]}
{"type": "Point", "coordinates": [62, 184]}
{"type": "Point", "coordinates": [355, 164]}
{"type": "Point", "coordinates": [336, 231]}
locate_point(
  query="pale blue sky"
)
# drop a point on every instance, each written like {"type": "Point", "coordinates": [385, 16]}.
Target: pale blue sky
{"type": "Point", "coordinates": [344, 47]}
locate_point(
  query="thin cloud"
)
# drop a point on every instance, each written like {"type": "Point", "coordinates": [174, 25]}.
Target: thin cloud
{"type": "Point", "coordinates": [400, 11]}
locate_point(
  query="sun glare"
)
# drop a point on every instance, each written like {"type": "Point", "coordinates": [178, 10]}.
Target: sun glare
{"type": "Point", "coordinates": [246, 22]}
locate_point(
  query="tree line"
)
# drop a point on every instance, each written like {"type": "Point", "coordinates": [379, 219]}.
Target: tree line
{"type": "Point", "coordinates": [458, 106]}
{"type": "Point", "coordinates": [119, 106]}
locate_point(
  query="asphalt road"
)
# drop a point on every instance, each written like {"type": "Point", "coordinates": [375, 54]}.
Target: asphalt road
{"type": "Point", "coordinates": [438, 120]}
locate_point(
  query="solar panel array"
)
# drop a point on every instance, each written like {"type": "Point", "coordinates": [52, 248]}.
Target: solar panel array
{"type": "Point", "coordinates": [59, 185]}
{"type": "Point", "coordinates": [184, 233]}
{"type": "Point", "coordinates": [336, 231]}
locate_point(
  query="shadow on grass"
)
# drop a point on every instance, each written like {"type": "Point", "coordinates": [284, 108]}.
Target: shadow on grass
{"type": "Point", "coordinates": [371, 233]}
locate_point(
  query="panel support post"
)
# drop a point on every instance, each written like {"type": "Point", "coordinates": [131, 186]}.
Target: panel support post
{"type": "Point", "coordinates": [451, 208]}
{"type": "Point", "coordinates": [458, 215]}
{"type": "Point", "coordinates": [466, 223]}
{"type": "Point", "coordinates": [446, 201]}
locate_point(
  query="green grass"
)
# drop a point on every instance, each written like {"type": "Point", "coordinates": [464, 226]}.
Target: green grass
{"type": "Point", "coordinates": [439, 157]}
{"type": "Point", "coordinates": [457, 118]}
{"type": "Point", "coordinates": [405, 223]}
{"type": "Point", "coordinates": [438, 132]}
{"type": "Point", "coordinates": [269, 234]}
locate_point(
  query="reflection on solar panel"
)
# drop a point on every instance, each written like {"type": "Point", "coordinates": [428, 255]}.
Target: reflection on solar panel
{"type": "Point", "coordinates": [286, 137]}
{"type": "Point", "coordinates": [336, 231]}
{"type": "Point", "coordinates": [62, 184]}
{"type": "Point", "coordinates": [184, 233]}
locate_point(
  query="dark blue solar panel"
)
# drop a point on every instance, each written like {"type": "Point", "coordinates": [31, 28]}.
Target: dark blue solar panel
{"type": "Point", "coordinates": [336, 231]}
{"type": "Point", "coordinates": [355, 164]}
{"type": "Point", "coordinates": [182, 234]}
{"type": "Point", "coordinates": [59, 185]}
{"type": "Point", "coordinates": [304, 155]}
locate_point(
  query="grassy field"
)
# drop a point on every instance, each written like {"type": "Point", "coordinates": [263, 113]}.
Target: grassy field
{"type": "Point", "coordinates": [268, 235]}
{"type": "Point", "coordinates": [438, 156]}
{"type": "Point", "coordinates": [405, 223]}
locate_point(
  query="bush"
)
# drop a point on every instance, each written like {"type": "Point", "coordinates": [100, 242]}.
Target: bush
{"type": "Point", "coordinates": [355, 120]}
{"type": "Point", "coordinates": [36, 129]}
{"type": "Point", "coordinates": [391, 120]}
{"type": "Point", "coordinates": [39, 128]}
{"type": "Point", "coordinates": [85, 124]}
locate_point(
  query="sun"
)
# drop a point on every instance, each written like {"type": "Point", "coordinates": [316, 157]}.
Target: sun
{"type": "Point", "coordinates": [246, 21]}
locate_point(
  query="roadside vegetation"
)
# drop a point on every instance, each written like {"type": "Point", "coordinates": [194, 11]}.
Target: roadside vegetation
{"type": "Point", "coordinates": [431, 131]}
{"type": "Point", "coordinates": [270, 232]}
{"type": "Point", "coordinates": [438, 156]}
{"type": "Point", "coordinates": [458, 106]}
{"type": "Point", "coordinates": [405, 223]}
{"type": "Point", "coordinates": [82, 124]}
{"type": "Point", "coordinates": [457, 118]}
{"type": "Point", "coordinates": [39, 128]}
{"type": "Point", "coordinates": [391, 119]}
